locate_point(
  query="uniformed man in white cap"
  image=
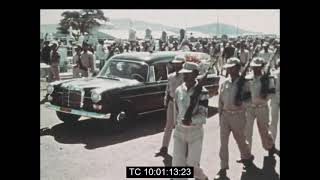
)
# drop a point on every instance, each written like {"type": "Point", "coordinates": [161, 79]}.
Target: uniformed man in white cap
{"type": "Point", "coordinates": [232, 119]}
{"type": "Point", "coordinates": [175, 79]}
{"type": "Point", "coordinates": [188, 133]}
{"type": "Point", "coordinates": [258, 108]}
{"type": "Point", "coordinates": [275, 103]}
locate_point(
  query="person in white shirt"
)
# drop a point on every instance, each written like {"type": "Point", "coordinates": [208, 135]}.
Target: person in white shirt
{"type": "Point", "coordinates": [175, 79]}
{"type": "Point", "coordinates": [188, 133]}
{"type": "Point", "coordinates": [243, 55]}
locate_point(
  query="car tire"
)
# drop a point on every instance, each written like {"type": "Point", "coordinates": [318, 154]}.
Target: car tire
{"type": "Point", "coordinates": [123, 118]}
{"type": "Point", "coordinates": [68, 118]}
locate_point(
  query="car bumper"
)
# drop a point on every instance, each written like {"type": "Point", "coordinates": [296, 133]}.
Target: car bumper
{"type": "Point", "coordinates": [79, 112]}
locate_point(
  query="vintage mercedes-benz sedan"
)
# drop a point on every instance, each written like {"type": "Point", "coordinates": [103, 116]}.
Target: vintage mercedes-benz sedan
{"type": "Point", "coordinates": [129, 85]}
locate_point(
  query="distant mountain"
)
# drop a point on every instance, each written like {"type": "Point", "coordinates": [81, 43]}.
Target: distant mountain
{"type": "Point", "coordinates": [210, 29]}
{"type": "Point", "coordinates": [141, 25]}
{"type": "Point", "coordinates": [214, 29]}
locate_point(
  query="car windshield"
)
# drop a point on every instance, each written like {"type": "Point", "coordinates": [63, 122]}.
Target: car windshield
{"type": "Point", "coordinates": [124, 69]}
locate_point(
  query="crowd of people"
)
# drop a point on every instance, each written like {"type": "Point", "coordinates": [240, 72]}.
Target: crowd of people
{"type": "Point", "coordinates": [219, 48]}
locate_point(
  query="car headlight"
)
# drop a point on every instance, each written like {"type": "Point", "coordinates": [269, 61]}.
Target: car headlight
{"type": "Point", "coordinates": [95, 97]}
{"type": "Point", "coordinates": [50, 89]}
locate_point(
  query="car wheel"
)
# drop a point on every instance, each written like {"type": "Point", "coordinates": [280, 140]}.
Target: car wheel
{"type": "Point", "coordinates": [123, 118]}
{"type": "Point", "coordinates": [68, 118]}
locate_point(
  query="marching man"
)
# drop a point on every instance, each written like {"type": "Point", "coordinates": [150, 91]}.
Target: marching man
{"type": "Point", "coordinates": [175, 79]}
{"type": "Point", "coordinates": [188, 133]}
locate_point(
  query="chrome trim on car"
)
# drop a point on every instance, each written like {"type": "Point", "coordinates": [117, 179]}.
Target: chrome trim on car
{"type": "Point", "coordinates": [128, 60]}
{"type": "Point", "coordinates": [82, 98]}
{"type": "Point", "coordinates": [147, 112]}
{"type": "Point", "coordinates": [79, 112]}
{"type": "Point", "coordinates": [144, 94]}
{"type": "Point", "coordinates": [151, 77]}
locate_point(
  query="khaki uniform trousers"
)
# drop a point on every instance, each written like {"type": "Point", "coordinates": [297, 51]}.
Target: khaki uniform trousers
{"type": "Point", "coordinates": [275, 109]}
{"type": "Point", "coordinates": [234, 122]}
{"type": "Point", "coordinates": [261, 113]}
{"type": "Point", "coordinates": [169, 124]}
{"type": "Point", "coordinates": [54, 72]}
{"type": "Point", "coordinates": [191, 138]}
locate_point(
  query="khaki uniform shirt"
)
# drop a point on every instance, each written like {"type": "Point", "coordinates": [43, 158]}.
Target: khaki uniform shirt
{"type": "Point", "coordinates": [227, 95]}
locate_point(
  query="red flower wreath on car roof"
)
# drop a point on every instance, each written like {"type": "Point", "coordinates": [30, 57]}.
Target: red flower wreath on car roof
{"type": "Point", "coordinates": [193, 58]}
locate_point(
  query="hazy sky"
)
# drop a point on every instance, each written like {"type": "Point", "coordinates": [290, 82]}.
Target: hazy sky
{"type": "Point", "coordinates": [267, 21]}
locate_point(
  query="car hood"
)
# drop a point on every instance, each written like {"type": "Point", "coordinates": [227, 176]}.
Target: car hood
{"type": "Point", "coordinates": [100, 84]}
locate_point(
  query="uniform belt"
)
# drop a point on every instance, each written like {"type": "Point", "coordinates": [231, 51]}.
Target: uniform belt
{"type": "Point", "coordinates": [258, 105]}
{"type": "Point", "coordinates": [190, 126]}
{"type": "Point", "coordinates": [233, 111]}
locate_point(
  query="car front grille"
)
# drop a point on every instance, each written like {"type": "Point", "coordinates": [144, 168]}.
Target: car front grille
{"type": "Point", "coordinates": [68, 98]}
